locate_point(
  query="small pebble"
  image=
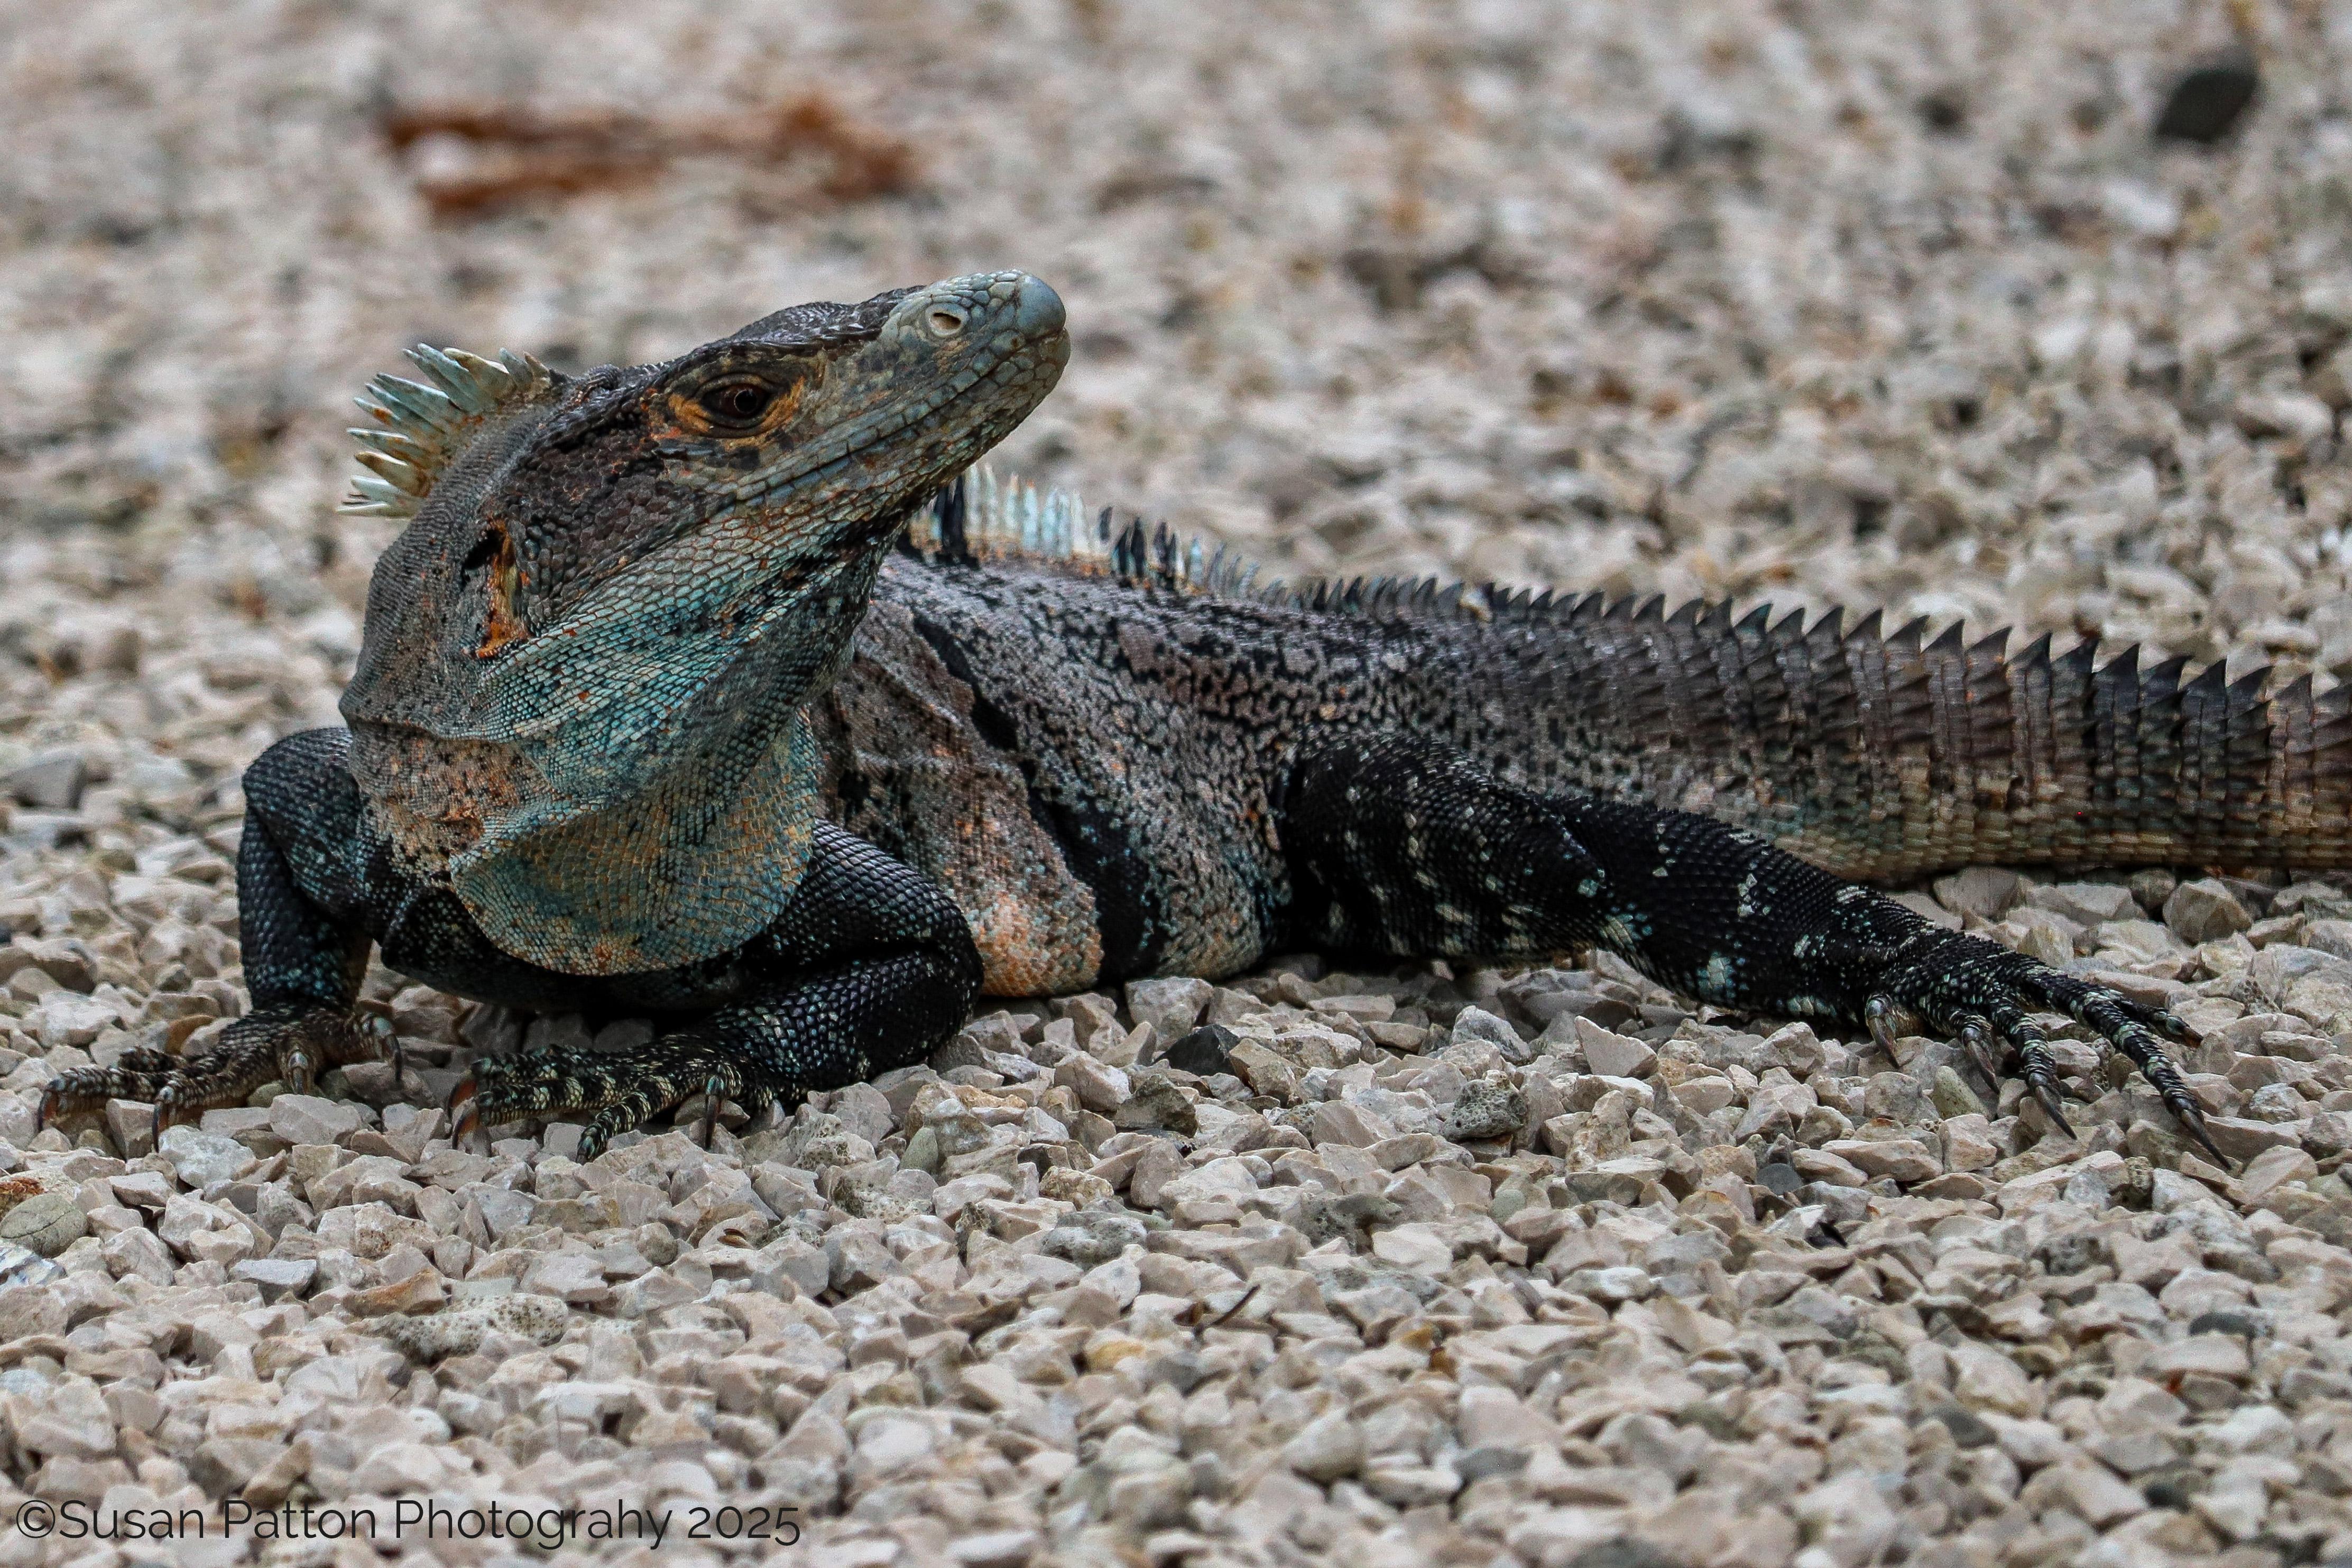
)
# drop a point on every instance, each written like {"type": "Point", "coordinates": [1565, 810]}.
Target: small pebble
{"type": "Point", "coordinates": [1203, 1052]}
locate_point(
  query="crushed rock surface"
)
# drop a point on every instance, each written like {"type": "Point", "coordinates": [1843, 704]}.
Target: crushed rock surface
{"type": "Point", "coordinates": [1896, 306]}
{"type": "Point", "coordinates": [1535, 1268]}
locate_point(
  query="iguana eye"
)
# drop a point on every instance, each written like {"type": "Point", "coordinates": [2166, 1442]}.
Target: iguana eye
{"type": "Point", "coordinates": [737, 402]}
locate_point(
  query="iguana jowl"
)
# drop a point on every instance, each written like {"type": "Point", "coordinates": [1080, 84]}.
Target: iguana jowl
{"type": "Point", "coordinates": [663, 708]}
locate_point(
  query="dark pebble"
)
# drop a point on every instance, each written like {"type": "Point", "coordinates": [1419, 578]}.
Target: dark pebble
{"type": "Point", "coordinates": [2242, 1324]}
{"type": "Point", "coordinates": [1945, 111]}
{"type": "Point", "coordinates": [1203, 1051]}
{"type": "Point", "coordinates": [2171, 1487]}
{"type": "Point", "coordinates": [2209, 100]}
{"type": "Point", "coordinates": [1967, 1428]}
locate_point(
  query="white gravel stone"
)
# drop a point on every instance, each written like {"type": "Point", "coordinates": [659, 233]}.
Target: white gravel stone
{"type": "Point", "coordinates": [2205, 910]}
{"type": "Point", "coordinates": [995, 1548]}
{"type": "Point", "coordinates": [2087, 904]}
{"type": "Point", "coordinates": [200, 1158]}
{"type": "Point", "coordinates": [307, 1119]}
{"type": "Point", "coordinates": [1476, 1025]}
{"type": "Point", "coordinates": [1613, 1055]}
{"type": "Point", "coordinates": [1326, 1449]}
{"type": "Point", "coordinates": [71, 1418]}
{"type": "Point", "coordinates": [1171, 1006]}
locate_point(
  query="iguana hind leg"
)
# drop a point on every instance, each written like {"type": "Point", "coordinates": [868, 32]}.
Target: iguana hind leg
{"type": "Point", "coordinates": [1403, 846]}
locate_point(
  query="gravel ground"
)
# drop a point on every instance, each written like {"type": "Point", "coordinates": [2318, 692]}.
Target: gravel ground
{"type": "Point", "coordinates": [1885, 305]}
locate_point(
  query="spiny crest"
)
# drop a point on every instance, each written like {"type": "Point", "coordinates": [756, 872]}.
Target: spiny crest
{"type": "Point", "coordinates": [419, 429]}
{"type": "Point", "coordinates": [982, 517]}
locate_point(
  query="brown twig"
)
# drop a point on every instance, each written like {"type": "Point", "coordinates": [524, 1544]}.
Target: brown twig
{"type": "Point", "coordinates": [517, 154]}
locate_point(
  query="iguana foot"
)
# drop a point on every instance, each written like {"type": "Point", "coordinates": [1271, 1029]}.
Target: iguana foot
{"type": "Point", "coordinates": [291, 1046]}
{"type": "Point", "coordinates": [1979, 992]}
{"type": "Point", "coordinates": [617, 1092]}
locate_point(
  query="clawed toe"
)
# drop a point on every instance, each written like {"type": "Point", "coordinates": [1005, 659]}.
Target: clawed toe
{"type": "Point", "coordinates": [614, 1093]}
{"type": "Point", "coordinates": [79, 1093]}
{"type": "Point", "coordinates": [169, 1112]}
{"type": "Point", "coordinates": [2053, 1106]}
{"type": "Point", "coordinates": [465, 1113]}
{"type": "Point", "coordinates": [376, 1025]}
{"type": "Point", "coordinates": [54, 1106]}
{"type": "Point", "coordinates": [1879, 1014]}
{"type": "Point", "coordinates": [714, 1089]}
{"type": "Point", "coordinates": [289, 1045]}
{"type": "Point", "coordinates": [2193, 1122]}
{"type": "Point", "coordinates": [1980, 993]}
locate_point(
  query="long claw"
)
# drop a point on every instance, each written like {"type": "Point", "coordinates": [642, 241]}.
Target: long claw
{"type": "Point", "coordinates": [378, 1023]}
{"type": "Point", "coordinates": [1879, 1013]}
{"type": "Point", "coordinates": [2194, 1120]}
{"type": "Point", "coordinates": [465, 1113]}
{"type": "Point", "coordinates": [1226, 1316]}
{"type": "Point", "coordinates": [169, 1112]}
{"type": "Point", "coordinates": [713, 1087]}
{"type": "Point", "coordinates": [2054, 1107]}
{"type": "Point", "coordinates": [1976, 1039]}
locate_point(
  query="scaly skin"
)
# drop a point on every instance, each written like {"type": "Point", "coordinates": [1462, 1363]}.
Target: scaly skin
{"type": "Point", "coordinates": [664, 709]}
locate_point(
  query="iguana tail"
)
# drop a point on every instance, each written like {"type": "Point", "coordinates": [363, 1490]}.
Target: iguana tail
{"type": "Point", "coordinates": [1880, 758]}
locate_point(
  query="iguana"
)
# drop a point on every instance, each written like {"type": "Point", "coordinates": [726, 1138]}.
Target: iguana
{"type": "Point", "coordinates": [708, 690]}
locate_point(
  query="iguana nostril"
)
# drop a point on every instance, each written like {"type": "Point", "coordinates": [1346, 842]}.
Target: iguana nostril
{"type": "Point", "coordinates": [946, 320]}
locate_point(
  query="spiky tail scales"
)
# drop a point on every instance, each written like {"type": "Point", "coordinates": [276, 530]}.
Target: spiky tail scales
{"type": "Point", "coordinates": [1881, 758]}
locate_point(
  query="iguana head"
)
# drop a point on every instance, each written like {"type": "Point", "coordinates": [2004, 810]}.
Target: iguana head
{"type": "Point", "coordinates": [578, 694]}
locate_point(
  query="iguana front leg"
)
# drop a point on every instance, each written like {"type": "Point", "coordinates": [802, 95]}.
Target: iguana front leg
{"type": "Point", "coordinates": [1401, 846]}
{"type": "Point", "coordinates": [303, 968]}
{"type": "Point", "coordinates": [870, 966]}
